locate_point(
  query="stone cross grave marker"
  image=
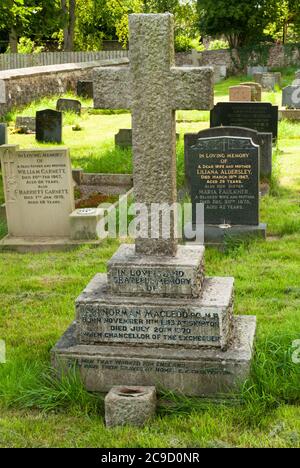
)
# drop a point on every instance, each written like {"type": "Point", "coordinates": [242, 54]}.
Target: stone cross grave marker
{"type": "Point", "coordinates": [153, 88]}
{"type": "Point", "coordinates": [154, 319]}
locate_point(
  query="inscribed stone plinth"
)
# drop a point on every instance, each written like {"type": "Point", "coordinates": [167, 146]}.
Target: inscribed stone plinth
{"type": "Point", "coordinates": [49, 126]}
{"type": "Point", "coordinates": [38, 191]}
{"type": "Point", "coordinates": [151, 319]}
{"type": "Point", "coordinates": [240, 94]}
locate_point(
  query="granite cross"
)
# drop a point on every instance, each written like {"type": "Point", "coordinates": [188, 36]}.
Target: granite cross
{"type": "Point", "coordinates": [153, 89]}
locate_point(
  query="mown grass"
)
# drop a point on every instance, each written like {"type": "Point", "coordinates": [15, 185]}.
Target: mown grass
{"type": "Point", "coordinates": [37, 295]}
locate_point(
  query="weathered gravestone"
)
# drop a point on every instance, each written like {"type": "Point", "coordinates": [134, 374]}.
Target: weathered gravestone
{"type": "Point", "coordinates": [68, 105]}
{"type": "Point", "coordinates": [264, 140]}
{"type": "Point", "coordinates": [268, 81]}
{"type": "Point", "coordinates": [223, 174]}
{"type": "Point", "coordinates": [260, 116]}
{"type": "Point", "coordinates": [38, 192]}
{"type": "Point", "coordinates": [85, 89]}
{"type": "Point", "coordinates": [240, 93]}
{"type": "Point", "coordinates": [256, 69]}
{"type": "Point", "coordinates": [49, 126]}
{"type": "Point", "coordinates": [3, 134]}
{"type": "Point", "coordinates": [154, 319]}
{"type": "Point", "coordinates": [291, 97]}
{"type": "Point", "coordinates": [123, 138]}
{"type": "Point", "coordinates": [26, 124]}
{"type": "Point", "coordinates": [256, 90]}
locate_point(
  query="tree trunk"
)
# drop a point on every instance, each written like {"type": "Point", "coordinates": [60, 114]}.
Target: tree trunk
{"type": "Point", "coordinates": [69, 10]}
{"type": "Point", "coordinates": [13, 41]}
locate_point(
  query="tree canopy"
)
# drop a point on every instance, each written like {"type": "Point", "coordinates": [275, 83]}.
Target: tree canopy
{"type": "Point", "coordinates": [84, 24]}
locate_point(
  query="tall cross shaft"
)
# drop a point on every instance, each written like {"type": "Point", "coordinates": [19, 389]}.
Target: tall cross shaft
{"type": "Point", "coordinates": [153, 88]}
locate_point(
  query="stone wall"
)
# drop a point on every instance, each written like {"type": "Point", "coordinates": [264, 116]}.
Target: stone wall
{"type": "Point", "coordinates": [22, 86]}
{"type": "Point", "coordinates": [279, 56]}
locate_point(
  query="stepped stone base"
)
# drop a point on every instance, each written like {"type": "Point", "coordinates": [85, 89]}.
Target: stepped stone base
{"type": "Point", "coordinates": [194, 372]}
{"type": "Point", "coordinates": [102, 317]}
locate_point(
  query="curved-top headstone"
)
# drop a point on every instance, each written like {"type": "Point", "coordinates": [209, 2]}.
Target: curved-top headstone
{"type": "Point", "coordinates": [49, 126]}
{"type": "Point", "coordinates": [224, 177]}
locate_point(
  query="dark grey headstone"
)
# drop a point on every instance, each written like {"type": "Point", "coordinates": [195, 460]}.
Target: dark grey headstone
{"type": "Point", "coordinates": [291, 96]}
{"type": "Point", "coordinates": [49, 126]}
{"type": "Point", "coordinates": [264, 140]}
{"type": "Point", "coordinates": [224, 176]}
{"type": "Point", "coordinates": [260, 116]}
{"type": "Point", "coordinates": [85, 89]}
{"type": "Point", "coordinates": [3, 134]}
{"type": "Point", "coordinates": [69, 105]}
{"type": "Point", "coordinates": [123, 138]}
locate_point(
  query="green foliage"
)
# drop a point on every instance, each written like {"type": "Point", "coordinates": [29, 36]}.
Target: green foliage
{"type": "Point", "coordinates": [218, 44]}
{"type": "Point", "coordinates": [27, 46]}
{"type": "Point", "coordinates": [183, 43]}
{"type": "Point", "coordinates": [241, 22]}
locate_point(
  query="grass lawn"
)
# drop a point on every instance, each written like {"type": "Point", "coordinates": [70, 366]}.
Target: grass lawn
{"type": "Point", "coordinates": [37, 296]}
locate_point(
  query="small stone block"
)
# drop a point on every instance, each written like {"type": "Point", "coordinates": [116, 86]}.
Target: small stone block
{"type": "Point", "coordinates": [134, 406]}
{"type": "Point", "coordinates": [179, 276]}
{"type": "Point", "coordinates": [84, 223]}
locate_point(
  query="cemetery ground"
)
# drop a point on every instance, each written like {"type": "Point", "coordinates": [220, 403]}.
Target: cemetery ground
{"type": "Point", "coordinates": [37, 296]}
